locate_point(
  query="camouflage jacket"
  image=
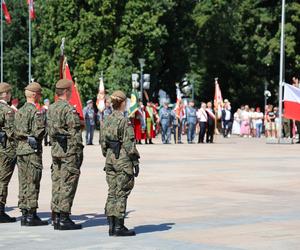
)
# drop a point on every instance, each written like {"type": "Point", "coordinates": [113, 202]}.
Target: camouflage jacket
{"type": "Point", "coordinates": [7, 118]}
{"type": "Point", "coordinates": [117, 127]}
{"type": "Point", "coordinates": [63, 119]}
{"type": "Point", "coordinates": [29, 121]}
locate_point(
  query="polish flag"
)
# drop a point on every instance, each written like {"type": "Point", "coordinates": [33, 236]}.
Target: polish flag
{"type": "Point", "coordinates": [291, 102]}
{"type": "Point", "coordinates": [6, 13]}
{"type": "Point", "coordinates": [31, 9]}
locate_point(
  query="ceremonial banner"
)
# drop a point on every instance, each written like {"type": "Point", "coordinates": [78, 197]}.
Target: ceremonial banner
{"type": "Point", "coordinates": [6, 13]}
{"type": "Point", "coordinates": [101, 96]}
{"type": "Point", "coordinates": [218, 101]}
{"type": "Point", "coordinates": [75, 99]}
{"type": "Point", "coordinates": [133, 103]}
{"type": "Point", "coordinates": [291, 102]}
{"type": "Point", "coordinates": [31, 9]}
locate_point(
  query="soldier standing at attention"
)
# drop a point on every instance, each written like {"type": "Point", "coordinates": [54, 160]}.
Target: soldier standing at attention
{"type": "Point", "coordinates": [7, 148]}
{"type": "Point", "coordinates": [165, 118]}
{"type": "Point", "coordinates": [29, 131]}
{"type": "Point", "coordinates": [67, 155]}
{"type": "Point", "coordinates": [191, 120]}
{"type": "Point", "coordinates": [122, 164]}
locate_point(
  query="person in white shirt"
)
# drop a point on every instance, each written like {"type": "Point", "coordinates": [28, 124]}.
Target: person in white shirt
{"type": "Point", "coordinates": [202, 119]}
{"type": "Point", "coordinates": [258, 122]}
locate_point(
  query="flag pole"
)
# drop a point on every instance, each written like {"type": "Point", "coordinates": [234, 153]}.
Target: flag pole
{"type": "Point", "coordinates": [1, 41]}
{"type": "Point", "coordinates": [282, 70]}
{"type": "Point", "coordinates": [29, 43]}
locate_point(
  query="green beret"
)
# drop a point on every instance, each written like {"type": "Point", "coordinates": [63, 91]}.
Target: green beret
{"type": "Point", "coordinates": [4, 87]}
{"type": "Point", "coordinates": [64, 84]}
{"type": "Point", "coordinates": [34, 87]}
{"type": "Point", "coordinates": [118, 95]}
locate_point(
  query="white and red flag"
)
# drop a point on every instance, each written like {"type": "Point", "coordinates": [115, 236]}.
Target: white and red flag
{"type": "Point", "coordinates": [291, 102]}
{"type": "Point", "coordinates": [31, 9]}
{"type": "Point", "coordinates": [6, 13]}
{"type": "Point", "coordinates": [218, 101]}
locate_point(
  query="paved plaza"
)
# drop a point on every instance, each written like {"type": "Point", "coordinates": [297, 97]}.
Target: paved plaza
{"type": "Point", "coordinates": [235, 194]}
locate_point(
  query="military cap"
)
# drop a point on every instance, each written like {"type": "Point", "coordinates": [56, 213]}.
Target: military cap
{"type": "Point", "coordinates": [118, 95]}
{"type": "Point", "coordinates": [63, 84]}
{"type": "Point", "coordinates": [4, 87]}
{"type": "Point", "coordinates": [34, 87]}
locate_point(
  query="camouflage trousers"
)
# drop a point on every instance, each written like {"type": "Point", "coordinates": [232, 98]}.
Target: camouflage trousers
{"type": "Point", "coordinates": [65, 176]}
{"type": "Point", "coordinates": [7, 166]}
{"type": "Point", "coordinates": [120, 182]}
{"type": "Point", "coordinates": [30, 174]}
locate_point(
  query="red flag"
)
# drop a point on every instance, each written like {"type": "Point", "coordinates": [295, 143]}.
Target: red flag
{"type": "Point", "coordinates": [6, 13]}
{"type": "Point", "coordinates": [31, 9]}
{"type": "Point", "coordinates": [75, 99]}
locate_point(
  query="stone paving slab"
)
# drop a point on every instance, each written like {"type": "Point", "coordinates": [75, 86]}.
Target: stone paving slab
{"type": "Point", "coordinates": [235, 194]}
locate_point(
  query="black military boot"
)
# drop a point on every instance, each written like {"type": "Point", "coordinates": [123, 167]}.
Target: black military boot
{"type": "Point", "coordinates": [111, 224]}
{"type": "Point", "coordinates": [4, 217]}
{"type": "Point", "coordinates": [55, 218]}
{"type": "Point", "coordinates": [65, 223]}
{"type": "Point", "coordinates": [121, 230]}
{"type": "Point", "coordinates": [34, 220]}
{"type": "Point", "coordinates": [24, 217]}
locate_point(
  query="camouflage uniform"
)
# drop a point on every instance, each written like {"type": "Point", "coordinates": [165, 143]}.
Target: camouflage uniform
{"type": "Point", "coordinates": [7, 154]}
{"type": "Point", "coordinates": [29, 122]}
{"type": "Point", "coordinates": [63, 119]}
{"type": "Point", "coordinates": [119, 172]}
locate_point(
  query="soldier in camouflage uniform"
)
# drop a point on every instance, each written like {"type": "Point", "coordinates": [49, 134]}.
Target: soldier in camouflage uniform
{"type": "Point", "coordinates": [67, 154]}
{"type": "Point", "coordinates": [7, 148]}
{"type": "Point", "coordinates": [29, 131]}
{"type": "Point", "coordinates": [122, 164]}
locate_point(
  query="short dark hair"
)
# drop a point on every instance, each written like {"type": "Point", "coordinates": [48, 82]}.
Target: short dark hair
{"type": "Point", "coordinates": [60, 92]}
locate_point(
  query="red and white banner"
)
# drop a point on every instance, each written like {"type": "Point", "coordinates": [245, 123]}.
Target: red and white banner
{"type": "Point", "coordinates": [31, 9]}
{"type": "Point", "coordinates": [218, 101]}
{"type": "Point", "coordinates": [291, 102]}
{"type": "Point", "coordinates": [101, 96]}
{"type": "Point", "coordinates": [6, 13]}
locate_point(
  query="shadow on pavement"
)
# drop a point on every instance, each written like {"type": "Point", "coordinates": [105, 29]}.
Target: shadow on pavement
{"type": "Point", "coordinates": [153, 228]}
{"type": "Point", "coordinates": [9, 209]}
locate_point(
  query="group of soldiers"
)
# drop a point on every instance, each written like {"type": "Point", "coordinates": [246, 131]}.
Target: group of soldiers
{"type": "Point", "coordinates": [21, 136]}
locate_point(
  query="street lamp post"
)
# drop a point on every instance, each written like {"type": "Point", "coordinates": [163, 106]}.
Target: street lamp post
{"type": "Point", "coordinates": [142, 64]}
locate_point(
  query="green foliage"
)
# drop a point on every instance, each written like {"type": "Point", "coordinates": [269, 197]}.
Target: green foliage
{"type": "Point", "coordinates": [237, 41]}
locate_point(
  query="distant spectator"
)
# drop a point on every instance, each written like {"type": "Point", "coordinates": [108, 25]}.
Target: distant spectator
{"type": "Point", "coordinates": [89, 116]}
{"type": "Point", "coordinates": [258, 115]}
